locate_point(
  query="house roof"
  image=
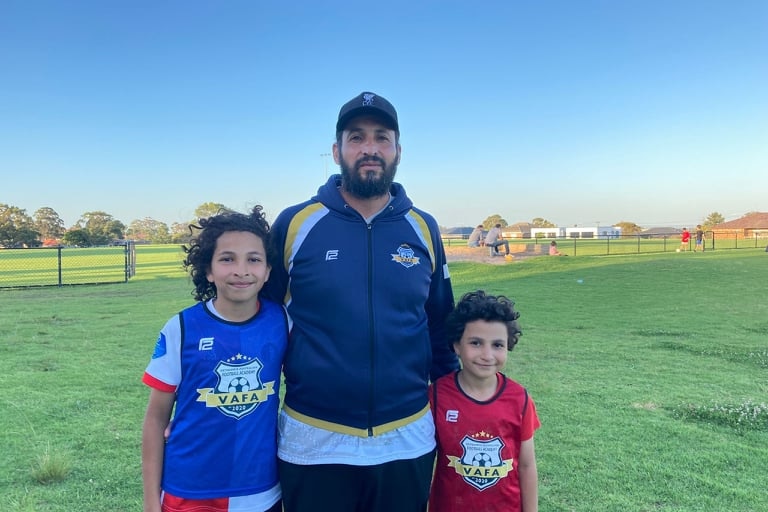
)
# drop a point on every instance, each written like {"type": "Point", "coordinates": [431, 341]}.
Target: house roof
{"type": "Point", "coordinates": [754, 220]}
{"type": "Point", "coordinates": [519, 226]}
{"type": "Point", "coordinates": [460, 230]}
{"type": "Point", "coordinates": [662, 230]}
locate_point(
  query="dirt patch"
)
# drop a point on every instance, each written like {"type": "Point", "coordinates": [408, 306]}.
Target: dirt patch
{"type": "Point", "coordinates": [480, 255]}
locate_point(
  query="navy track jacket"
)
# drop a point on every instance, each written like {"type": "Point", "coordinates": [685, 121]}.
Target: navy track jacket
{"type": "Point", "coordinates": [368, 304]}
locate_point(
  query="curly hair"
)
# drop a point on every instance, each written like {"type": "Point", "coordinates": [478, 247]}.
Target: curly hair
{"type": "Point", "coordinates": [478, 305]}
{"type": "Point", "coordinates": [199, 252]}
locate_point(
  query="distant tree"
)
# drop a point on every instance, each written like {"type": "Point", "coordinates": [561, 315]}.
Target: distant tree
{"type": "Point", "coordinates": [77, 237]}
{"type": "Point", "coordinates": [17, 229]}
{"type": "Point", "coordinates": [180, 233]}
{"type": "Point", "coordinates": [48, 223]}
{"type": "Point", "coordinates": [712, 219]}
{"type": "Point", "coordinates": [206, 210]}
{"type": "Point", "coordinates": [101, 227]}
{"type": "Point", "coordinates": [493, 220]}
{"type": "Point", "coordinates": [150, 230]}
{"type": "Point", "coordinates": [628, 228]}
{"type": "Point", "coordinates": [538, 222]}
{"type": "Point", "coordinates": [160, 234]}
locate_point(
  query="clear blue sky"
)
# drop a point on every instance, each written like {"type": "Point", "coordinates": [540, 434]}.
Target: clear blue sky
{"type": "Point", "coordinates": [647, 111]}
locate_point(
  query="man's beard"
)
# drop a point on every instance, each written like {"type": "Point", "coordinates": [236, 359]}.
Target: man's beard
{"type": "Point", "coordinates": [372, 184]}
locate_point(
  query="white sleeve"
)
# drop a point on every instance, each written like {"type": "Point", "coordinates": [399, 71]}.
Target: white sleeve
{"type": "Point", "coordinates": [165, 364]}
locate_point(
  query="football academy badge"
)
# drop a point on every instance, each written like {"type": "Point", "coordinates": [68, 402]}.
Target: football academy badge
{"type": "Point", "coordinates": [239, 389]}
{"type": "Point", "coordinates": [481, 465]}
{"type": "Point", "coordinates": [406, 256]}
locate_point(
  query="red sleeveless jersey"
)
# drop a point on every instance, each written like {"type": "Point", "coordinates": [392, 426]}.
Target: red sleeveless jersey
{"type": "Point", "coordinates": [478, 444]}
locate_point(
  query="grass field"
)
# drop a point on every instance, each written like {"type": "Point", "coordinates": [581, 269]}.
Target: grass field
{"type": "Point", "coordinates": [650, 374]}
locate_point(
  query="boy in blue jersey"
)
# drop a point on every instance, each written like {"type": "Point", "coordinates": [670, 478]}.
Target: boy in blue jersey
{"type": "Point", "coordinates": [364, 277]}
{"type": "Point", "coordinates": [218, 363]}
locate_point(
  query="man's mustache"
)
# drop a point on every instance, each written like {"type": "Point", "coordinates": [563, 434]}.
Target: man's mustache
{"type": "Point", "coordinates": [370, 159]}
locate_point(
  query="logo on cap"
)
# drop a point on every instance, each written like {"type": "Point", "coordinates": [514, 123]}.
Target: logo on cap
{"type": "Point", "coordinates": [371, 104]}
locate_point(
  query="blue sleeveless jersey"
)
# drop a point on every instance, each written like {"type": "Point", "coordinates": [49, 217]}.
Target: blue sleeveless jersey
{"type": "Point", "coordinates": [223, 439]}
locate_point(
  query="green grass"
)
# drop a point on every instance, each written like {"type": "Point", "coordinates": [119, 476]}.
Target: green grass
{"type": "Point", "coordinates": [649, 376]}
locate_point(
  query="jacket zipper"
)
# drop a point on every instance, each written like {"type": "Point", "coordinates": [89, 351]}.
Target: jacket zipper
{"type": "Point", "coordinates": [371, 331]}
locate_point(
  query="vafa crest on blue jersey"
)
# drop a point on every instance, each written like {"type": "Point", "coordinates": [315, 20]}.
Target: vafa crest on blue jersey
{"type": "Point", "coordinates": [239, 389]}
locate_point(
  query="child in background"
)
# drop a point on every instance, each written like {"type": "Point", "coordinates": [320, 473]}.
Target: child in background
{"type": "Point", "coordinates": [699, 239]}
{"type": "Point", "coordinates": [484, 421]}
{"type": "Point", "coordinates": [218, 362]}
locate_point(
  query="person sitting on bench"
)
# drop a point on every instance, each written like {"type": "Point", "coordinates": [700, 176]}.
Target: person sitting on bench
{"type": "Point", "coordinates": [493, 239]}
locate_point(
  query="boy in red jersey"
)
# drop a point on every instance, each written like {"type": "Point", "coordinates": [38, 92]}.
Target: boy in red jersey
{"type": "Point", "coordinates": [484, 421]}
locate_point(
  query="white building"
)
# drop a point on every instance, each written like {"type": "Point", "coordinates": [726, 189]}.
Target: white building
{"type": "Point", "coordinates": [601, 232]}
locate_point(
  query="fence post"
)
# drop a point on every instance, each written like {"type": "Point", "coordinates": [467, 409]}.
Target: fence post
{"type": "Point", "coordinates": [125, 253]}
{"type": "Point", "coordinates": [58, 250]}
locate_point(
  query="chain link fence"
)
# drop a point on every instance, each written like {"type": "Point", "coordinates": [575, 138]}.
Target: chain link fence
{"type": "Point", "coordinates": [60, 266]}
{"type": "Point", "coordinates": [629, 244]}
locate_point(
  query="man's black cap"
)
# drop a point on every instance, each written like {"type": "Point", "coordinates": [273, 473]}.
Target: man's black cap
{"type": "Point", "coordinates": [368, 103]}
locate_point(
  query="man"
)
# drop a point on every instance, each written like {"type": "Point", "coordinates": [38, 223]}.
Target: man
{"type": "Point", "coordinates": [475, 238]}
{"type": "Point", "coordinates": [364, 277]}
{"type": "Point", "coordinates": [685, 240]}
{"type": "Point", "coordinates": [493, 239]}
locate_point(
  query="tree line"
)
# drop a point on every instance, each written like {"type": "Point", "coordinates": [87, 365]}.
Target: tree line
{"type": "Point", "coordinates": [45, 227]}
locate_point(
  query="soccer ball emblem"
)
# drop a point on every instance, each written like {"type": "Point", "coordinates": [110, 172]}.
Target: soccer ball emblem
{"type": "Point", "coordinates": [239, 384]}
{"type": "Point", "coordinates": [481, 459]}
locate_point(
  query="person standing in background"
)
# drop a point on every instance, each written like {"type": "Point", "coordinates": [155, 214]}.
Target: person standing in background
{"type": "Point", "coordinates": [699, 235]}
{"type": "Point", "coordinates": [685, 240]}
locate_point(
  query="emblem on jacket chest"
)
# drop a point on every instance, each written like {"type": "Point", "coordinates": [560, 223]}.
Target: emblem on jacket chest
{"type": "Point", "coordinates": [405, 256]}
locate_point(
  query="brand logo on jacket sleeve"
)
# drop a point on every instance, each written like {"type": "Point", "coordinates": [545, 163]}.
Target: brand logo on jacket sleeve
{"type": "Point", "coordinates": [406, 256]}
